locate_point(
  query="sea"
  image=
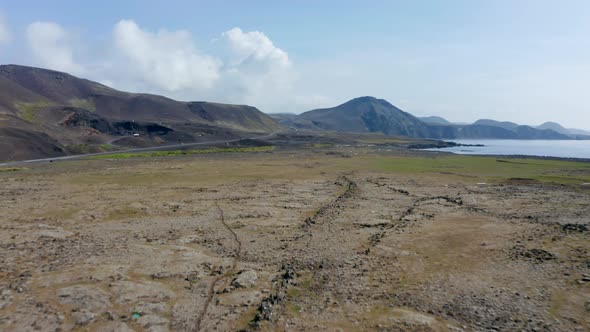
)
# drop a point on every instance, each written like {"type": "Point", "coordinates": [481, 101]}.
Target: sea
{"type": "Point", "coordinates": [542, 148]}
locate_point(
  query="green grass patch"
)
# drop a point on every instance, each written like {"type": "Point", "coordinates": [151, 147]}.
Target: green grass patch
{"type": "Point", "coordinates": [11, 169]}
{"type": "Point", "coordinates": [293, 309]}
{"type": "Point", "coordinates": [28, 111]}
{"type": "Point", "coordinates": [60, 214]}
{"type": "Point", "coordinates": [321, 145]}
{"type": "Point", "coordinates": [293, 292]}
{"type": "Point", "coordinates": [490, 168]}
{"type": "Point", "coordinates": [123, 213]}
{"type": "Point", "coordinates": [152, 154]}
{"type": "Point", "coordinates": [107, 147]}
{"type": "Point", "coordinates": [385, 140]}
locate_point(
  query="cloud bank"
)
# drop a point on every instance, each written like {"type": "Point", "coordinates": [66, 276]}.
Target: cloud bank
{"type": "Point", "coordinates": [246, 66]}
{"type": "Point", "coordinates": [50, 45]}
{"type": "Point", "coordinates": [169, 61]}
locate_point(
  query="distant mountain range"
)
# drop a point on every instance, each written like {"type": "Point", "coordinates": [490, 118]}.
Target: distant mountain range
{"type": "Point", "coordinates": [510, 125]}
{"type": "Point", "coordinates": [369, 114]}
{"type": "Point", "coordinates": [45, 113]}
{"type": "Point", "coordinates": [560, 129]}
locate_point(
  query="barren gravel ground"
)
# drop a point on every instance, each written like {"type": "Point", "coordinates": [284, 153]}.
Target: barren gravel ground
{"type": "Point", "coordinates": [319, 239]}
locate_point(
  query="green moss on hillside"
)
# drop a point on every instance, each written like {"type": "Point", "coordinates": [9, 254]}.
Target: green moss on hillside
{"type": "Point", "coordinates": [29, 111]}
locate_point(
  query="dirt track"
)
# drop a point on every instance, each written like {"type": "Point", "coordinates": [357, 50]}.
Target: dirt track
{"type": "Point", "coordinates": [288, 241]}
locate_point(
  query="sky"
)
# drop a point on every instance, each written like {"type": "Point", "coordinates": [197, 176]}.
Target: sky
{"type": "Point", "coordinates": [513, 60]}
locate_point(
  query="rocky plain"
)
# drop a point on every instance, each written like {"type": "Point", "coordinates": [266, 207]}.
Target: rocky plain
{"type": "Point", "coordinates": [322, 237]}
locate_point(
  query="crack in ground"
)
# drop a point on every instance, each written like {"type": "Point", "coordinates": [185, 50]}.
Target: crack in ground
{"type": "Point", "coordinates": [410, 210]}
{"type": "Point", "coordinates": [220, 278]}
{"type": "Point", "coordinates": [267, 309]}
{"type": "Point", "coordinates": [397, 190]}
{"type": "Point", "coordinates": [332, 207]}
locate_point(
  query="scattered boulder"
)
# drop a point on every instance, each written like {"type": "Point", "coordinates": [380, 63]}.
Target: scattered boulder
{"type": "Point", "coordinates": [245, 279]}
{"type": "Point", "coordinates": [5, 298]}
{"type": "Point", "coordinates": [539, 254]}
{"type": "Point", "coordinates": [137, 206]}
{"type": "Point", "coordinates": [83, 317]}
{"type": "Point", "coordinates": [535, 254]}
{"type": "Point", "coordinates": [574, 228]}
{"type": "Point", "coordinates": [265, 310]}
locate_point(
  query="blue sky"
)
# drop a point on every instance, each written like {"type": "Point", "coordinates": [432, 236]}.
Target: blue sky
{"type": "Point", "coordinates": [522, 61]}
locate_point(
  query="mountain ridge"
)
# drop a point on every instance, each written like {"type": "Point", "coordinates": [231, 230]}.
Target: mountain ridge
{"type": "Point", "coordinates": [370, 114]}
{"type": "Point", "coordinates": [62, 114]}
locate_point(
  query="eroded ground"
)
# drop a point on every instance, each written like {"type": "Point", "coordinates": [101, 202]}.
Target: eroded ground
{"type": "Point", "coordinates": [348, 239]}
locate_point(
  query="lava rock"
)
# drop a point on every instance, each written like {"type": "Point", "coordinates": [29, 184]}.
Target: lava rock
{"type": "Point", "coordinates": [245, 279]}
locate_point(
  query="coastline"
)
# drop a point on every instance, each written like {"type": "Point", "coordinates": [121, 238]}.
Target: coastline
{"type": "Point", "coordinates": [536, 149]}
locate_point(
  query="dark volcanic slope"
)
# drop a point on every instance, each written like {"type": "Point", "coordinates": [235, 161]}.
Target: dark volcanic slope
{"type": "Point", "coordinates": [17, 144]}
{"type": "Point", "coordinates": [367, 114]}
{"type": "Point", "coordinates": [22, 84]}
{"type": "Point", "coordinates": [59, 110]}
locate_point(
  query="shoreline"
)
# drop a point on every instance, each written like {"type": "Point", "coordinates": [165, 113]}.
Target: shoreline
{"type": "Point", "coordinates": [510, 156]}
{"type": "Point", "coordinates": [441, 145]}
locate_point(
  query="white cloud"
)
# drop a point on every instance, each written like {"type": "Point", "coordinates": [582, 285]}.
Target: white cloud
{"type": "Point", "coordinates": [257, 72]}
{"type": "Point", "coordinates": [255, 46]}
{"type": "Point", "coordinates": [168, 61]}
{"type": "Point", "coordinates": [51, 48]}
{"type": "Point", "coordinates": [5, 35]}
{"type": "Point", "coordinates": [248, 69]}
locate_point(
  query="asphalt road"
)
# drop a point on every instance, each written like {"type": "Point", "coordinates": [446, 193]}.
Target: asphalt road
{"type": "Point", "coordinates": [155, 148]}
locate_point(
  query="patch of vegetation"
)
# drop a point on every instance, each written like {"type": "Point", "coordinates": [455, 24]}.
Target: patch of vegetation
{"type": "Point", "coordinates": [385, 140]}
{"type": "Point", "coordinates": [123, 213]}
{"type": "Point", "coordinates": [28, 111]}
{"type": "Point", "coordinates": [107, 147]}
{"type": "Point", "coordinates": [60, 214]}
{"type": "Point", "coordinates": [87, 104]}
{"type": "Point", "coordinates": [11, 169]}
{"type": "Point", "coordinates": [489, 168]}
{"type": "Point", "coordinates": [306, 280]}
{"type": "Point", "coordinates": [294, 309]}
{"type": "Point", "coordinates": [152, 154]}
{"type": "Point", "coordinates": [293, 292]}
{"type": "Point", "coordinates": [321, 145]}
{"type": "Point", "coordinates": [243, 323]}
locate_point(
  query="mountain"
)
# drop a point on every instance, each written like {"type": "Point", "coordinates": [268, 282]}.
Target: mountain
{"type": "Point", "coordinates": [436, 120]}
{"type": "Point", "coordinates": [369, 114]}
{"type": "Point", "coordinates": [553, 126]}
{"type": "Point", "coordinates": [63, 114]}
{"type": "Point", "coordinates": [560, 129]}
{"type": "Point", "coordinates": [502, 124]}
